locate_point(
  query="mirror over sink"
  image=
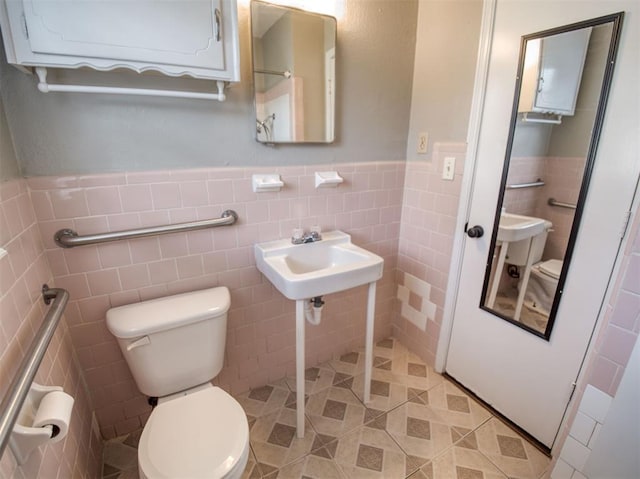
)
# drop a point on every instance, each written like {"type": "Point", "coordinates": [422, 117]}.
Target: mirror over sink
{"type": "Point", "coordinates": [293, 54]}
{"type": "Point", "coordinates": [563, 79]}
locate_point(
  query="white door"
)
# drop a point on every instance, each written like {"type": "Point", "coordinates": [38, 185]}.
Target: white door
{"type": "Point", "coordinates": [523, 376]}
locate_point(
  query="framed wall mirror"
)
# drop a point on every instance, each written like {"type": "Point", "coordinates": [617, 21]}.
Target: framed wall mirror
{"type": "Point", "coordinates": [564, 76]}
{"type": "Point", "coordinates": [293, 54]}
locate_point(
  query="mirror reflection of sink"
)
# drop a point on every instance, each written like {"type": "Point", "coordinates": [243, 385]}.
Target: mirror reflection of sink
{"type": "Point", "coordinates": [315, 269]}
{"type": "Point", "coordinates": [514, 227]}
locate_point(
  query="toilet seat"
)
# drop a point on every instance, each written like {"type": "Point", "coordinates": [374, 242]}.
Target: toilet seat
{"type": "Point", "coordinates": [551, 267]}
{"type": "Point", "coordinates": [203, 434]}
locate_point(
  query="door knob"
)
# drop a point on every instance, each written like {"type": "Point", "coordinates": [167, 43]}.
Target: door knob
{"type": "Point", "coordinates": [475, 231]}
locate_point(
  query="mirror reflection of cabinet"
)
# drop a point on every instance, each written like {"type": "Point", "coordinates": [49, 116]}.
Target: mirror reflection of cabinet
{"type": "Point", "coordinates": [553, 71]}
{"type": "Point", "coordinates": [294, 74]}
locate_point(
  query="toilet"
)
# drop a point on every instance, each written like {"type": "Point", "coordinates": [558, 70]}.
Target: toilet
{"type": "Point", "coordinates": [542, 286]}
{"type": "Point", "coordinates": [174, 347]}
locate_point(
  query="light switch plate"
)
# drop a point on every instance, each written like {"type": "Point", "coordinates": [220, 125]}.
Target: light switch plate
{"type": "Point", "coordinates": [448, 168]}
{"type": "Point", "coordinates": [423, 142]}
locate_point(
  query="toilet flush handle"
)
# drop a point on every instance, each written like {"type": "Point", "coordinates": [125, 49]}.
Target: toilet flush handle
{"type": "Point", "coordinates": [143, 341]}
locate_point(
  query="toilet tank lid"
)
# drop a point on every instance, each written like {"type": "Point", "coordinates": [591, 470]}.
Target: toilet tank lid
{"type": "Point", "coordinates": [147, 317]}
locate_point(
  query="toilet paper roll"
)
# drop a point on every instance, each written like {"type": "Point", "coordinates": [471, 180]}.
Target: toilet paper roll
{"type": "Point", "coordinates": [55, 410]}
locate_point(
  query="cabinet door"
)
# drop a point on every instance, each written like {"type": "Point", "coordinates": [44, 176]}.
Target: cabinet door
{"type": "Point", "coordinates": [193, 37]}
{"type": "Point", "coordinates": [561, 64]}
{"type": "Point", "coordinates": [147, 31]}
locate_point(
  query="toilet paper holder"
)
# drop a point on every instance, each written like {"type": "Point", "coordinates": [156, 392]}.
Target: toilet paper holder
{"type": "Point", "coordinates": [25, 438]}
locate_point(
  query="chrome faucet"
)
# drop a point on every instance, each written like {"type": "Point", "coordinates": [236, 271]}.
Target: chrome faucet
{"type": "Point", "coordinates": [299, 237]}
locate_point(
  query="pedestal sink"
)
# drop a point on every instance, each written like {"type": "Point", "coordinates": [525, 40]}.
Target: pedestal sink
{"type": "Point", "coordinates": [303, 271]}
{"type": "Point", "coordinates": [308, 270]}
{"type": "Point", "coordinates": [528, 234]}
{"type": "Point", "coordinates": [518, 227]}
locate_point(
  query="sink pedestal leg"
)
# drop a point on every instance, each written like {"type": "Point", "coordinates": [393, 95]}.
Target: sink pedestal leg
{"type": "Point", "coordinates": [368, 355]}
{"type": "Point", "coordinates": [504, 246]}
{"type": "Point", "coordinates": [300, 319]}
{"type": "Point", "coordinates": [368, 342]}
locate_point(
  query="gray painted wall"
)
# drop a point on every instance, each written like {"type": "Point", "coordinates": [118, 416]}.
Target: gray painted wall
{"type": "Point", "coordinates": [445, 66]}
{"type": "Point", "coordinates": [8, 164]}
{"type": "Point", "coordinates": [571, 138]}
{"type": "Point", "coordinates": [59, 133]}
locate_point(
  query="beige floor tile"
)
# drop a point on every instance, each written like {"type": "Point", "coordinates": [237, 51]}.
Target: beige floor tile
{"type": "Point", "coordinates": [318, 378]}
{"type": "Point", "coordinates": [418, 424]}
{"type": "Point", "coordinates": [509, 451]}
{"type": "Point", "coordinates": [352, 364]}
{"type": "Point", "coordinates": [387, 390]}
{"type": "Point", "coordinates": [460, 463]}
{"type": "Point", "coordinates": [414, 372]}
{"type": "Point", "coordinates": [252, 470]}
{"type": "Point", "coordinates": [371, 453]}
{"type": "Point", "coordinates": [419, 430]}
{"type": "Point", "coordinates": [266, 399]}
{"type": "Point", "coordinates": [309, 467]}
{"type": "Point", "coordinates": [120, 455]}
{"type": "Point", "coordinates": [389, 348]}
{"type": "Point", "coordinates": [336, 411]}
{"type": "Point", "coordinates": [275, 442]}
{"type": "Point", "coordinates": [458, 409]}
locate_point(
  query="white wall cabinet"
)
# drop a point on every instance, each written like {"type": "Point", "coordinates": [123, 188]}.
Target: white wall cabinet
{"type": "Point", "coordinates": [552, 73]}
{"type": "Point", "coordinates": [198, 38]}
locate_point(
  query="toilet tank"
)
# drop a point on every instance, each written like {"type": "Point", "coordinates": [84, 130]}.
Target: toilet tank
{"type": "Point", "coordinates": [173, 343]}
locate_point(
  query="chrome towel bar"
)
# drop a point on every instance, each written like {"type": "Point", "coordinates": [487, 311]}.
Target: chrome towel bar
{"type": "Point", "coordinates": [19, 388]}
{"type": "Point", "coordinates": [538, 182]}
{"type": "Point", "coordinates": [562, 204]}
{"type": "Point", "coordinates": [67, 238]}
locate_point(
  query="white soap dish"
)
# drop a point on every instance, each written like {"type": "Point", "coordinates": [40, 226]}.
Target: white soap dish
{"type": "Point", "coordinates": [262, 183]}
{"type": "Point", "coordinates": [325, 179]}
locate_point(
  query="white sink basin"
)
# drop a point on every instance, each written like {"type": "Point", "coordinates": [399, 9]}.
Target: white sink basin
{"type": "Point", "coordinates": [518, 227]}
{"type": "Point", "coordinates": [315, 269]}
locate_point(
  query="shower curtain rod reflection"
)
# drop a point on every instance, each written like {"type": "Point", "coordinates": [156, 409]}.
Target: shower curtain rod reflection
{"type": "Point", "coordinates": [286, 73]}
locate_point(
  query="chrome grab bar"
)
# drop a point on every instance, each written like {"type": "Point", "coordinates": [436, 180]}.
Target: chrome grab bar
{"type": "Point", "coordinates": [68, 238]}
{"type": "Point", "coordinates": [26, 372]}
{"type": "Point", "coordinates": [562, 204]}
{"type": "Point", "coordinates": [538, 182]}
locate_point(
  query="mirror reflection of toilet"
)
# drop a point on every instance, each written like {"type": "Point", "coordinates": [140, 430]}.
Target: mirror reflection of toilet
{"type": "Point", "coordinates": [174, 347]}
{"type": "Point", "coordinates": [543, 283]}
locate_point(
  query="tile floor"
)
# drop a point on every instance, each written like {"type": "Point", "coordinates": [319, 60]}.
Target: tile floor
{"type": "Point", "coordinates": [418, 425]}
{"type": "Point", "coordinates": [506, 304]}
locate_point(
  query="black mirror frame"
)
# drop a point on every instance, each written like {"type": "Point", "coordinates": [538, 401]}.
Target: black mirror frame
{"type": "Point", "coordinates": [616, 20]}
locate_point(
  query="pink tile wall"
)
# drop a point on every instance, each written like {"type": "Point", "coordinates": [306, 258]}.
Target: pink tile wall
{"type": "Point", "coordinates": [260, 337]}
{"type": "Point", "coordinates": [524, 170]}
{"type": "Point", "coordinates": [620, 331]}
{"type": "Point", "coordinates": [22, 273]}
{"type": "Point", "coordinates": [563, 178]}
{"type": "Point", "coordinates": [429, 214]}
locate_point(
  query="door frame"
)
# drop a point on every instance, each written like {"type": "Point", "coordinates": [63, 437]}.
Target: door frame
{"type": "Point", "coordinates": [464, 207]}
{"type": "Point", "coordinates": [468, 179]}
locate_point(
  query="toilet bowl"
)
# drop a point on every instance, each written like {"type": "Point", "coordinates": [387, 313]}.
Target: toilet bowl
{"type": "Point", "coordinates": [198, 434]}
{"type": "Point", "coordinates": [542, 286]}
{"type": "Point", "coordinates": [174, 346]}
